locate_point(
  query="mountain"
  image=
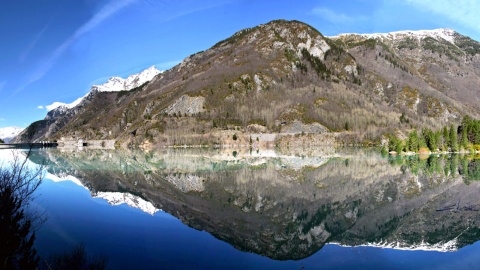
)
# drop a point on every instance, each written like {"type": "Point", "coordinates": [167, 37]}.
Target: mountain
{"type": "Point", "coordinates": [8, 133]}
{"type": "Point", "coordinates": [285, 77]}
{"type": "Point", "coordinates": [60, 113]}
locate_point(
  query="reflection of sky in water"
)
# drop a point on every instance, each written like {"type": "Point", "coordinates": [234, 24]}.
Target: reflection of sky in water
{"type": "Point", "coordinates": [133, 239]}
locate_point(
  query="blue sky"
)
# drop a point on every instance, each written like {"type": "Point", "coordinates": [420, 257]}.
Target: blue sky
{"type": "Point", "coordinates": [54, 50]}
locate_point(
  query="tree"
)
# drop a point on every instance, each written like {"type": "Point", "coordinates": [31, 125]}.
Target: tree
{"type": "Point", "coordinates": [453, 139]}
{"type": "Point", "coordinates": [413, 141]}
{"type": "Point", "coordinates": [446, 139]}
{"type": "Point", "coordinates": [464, 139]}
{"type": "Point", "coordinates": [17, 185]}
{"type": "Point", "coordinates": [1, 141]}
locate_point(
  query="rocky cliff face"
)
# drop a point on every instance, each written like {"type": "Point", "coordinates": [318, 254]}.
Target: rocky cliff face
{"type": "Point", "coordinates": [285, 76]}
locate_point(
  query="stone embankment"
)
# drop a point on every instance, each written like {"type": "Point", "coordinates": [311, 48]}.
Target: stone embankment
{"type": "Point", "coordinates": [87, 144]}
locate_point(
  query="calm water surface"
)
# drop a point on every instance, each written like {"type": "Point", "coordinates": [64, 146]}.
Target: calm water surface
{"type": "Point", "coordinates": [347, 209]}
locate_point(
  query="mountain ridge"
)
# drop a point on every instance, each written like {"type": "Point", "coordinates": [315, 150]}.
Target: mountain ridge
{"type": "Point", "coordinates": [358, 87]}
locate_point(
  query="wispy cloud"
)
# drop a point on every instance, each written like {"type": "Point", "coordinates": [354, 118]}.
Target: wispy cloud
{"type": "Point", "coordinates": [103, 14]}
{"type": "Point", "coordinates": [336, 17]}
{"type": "Point", "coordinates": [40, 107]}
{"type": "Point", "coordinates": [29, 48]}
{"type": "Point", "coordinates": [3, 119]}
{"type": "Point", "coordinates": [464, 12]}
{"type": "Point", "coordinates": [168, 12]}
{"type": "Point", "coordinates": [167, 65]}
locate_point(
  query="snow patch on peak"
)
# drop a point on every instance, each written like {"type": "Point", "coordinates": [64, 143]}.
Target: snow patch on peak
{"type": "Point", "coordinates": [442, 33]}
{"type": "Point", "coordinates": [117, 198]}
{"type": "Point", "coordinates": [111, 85]}
{"type": "Point", "coordinates": [135, 80]}
{"type": "Point", "coordinates": [64, 106]}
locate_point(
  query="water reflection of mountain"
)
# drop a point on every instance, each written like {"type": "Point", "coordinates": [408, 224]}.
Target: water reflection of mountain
{"type": "Point", "coordinates": [289, 207]}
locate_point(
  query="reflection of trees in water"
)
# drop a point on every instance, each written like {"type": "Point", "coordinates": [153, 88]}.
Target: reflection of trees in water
{"type": "Point", "coordinates": [468, 167]}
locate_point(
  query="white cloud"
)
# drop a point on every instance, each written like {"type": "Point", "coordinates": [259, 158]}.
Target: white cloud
{"type": "Point", "coordinates": [335, 17]}
{"type": "Point", "coordinates": [40, 107]}
{"type": "Point", "coordinates": [464, 12]}
{"type": "Point", "coordinates": [106, 12]}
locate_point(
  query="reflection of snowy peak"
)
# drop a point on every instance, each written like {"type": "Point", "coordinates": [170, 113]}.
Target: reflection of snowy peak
{"type": "Point", "coordinates": [113, 198]}
{"type": "Point", "coordinates": [7, 133]}
{"type": "Point", "coordinates": [116, 198]}
{"type": "Point", "coordinates": [113, 84]}
{"type": "Point", "coordinates": [448, 246]}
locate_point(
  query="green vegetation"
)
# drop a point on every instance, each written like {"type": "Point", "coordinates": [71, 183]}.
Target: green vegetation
{"type": "Point", "coordinates": [1, 141]}
{"type": "Point", "coordinates": [467, 166]}
{"type": "Point", "coordinates": [442, 48]}
{"type": "Point", "coordinates": [467, 44]}
{"type": "Point", "coordinates": [316, 64]}
{"type": "Point", "coordinates": [408, 43]}
{"type": "Point", "coordinates": [465, 137]}
{"type": "Point", "coordinates": [236, 37]}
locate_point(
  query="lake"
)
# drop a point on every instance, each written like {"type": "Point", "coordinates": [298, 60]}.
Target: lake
{"type": "Point", "coordinates": [224, 209]}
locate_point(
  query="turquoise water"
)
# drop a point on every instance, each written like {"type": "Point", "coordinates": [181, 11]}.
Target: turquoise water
{"type": "Point", "coordinates": [254, 211]}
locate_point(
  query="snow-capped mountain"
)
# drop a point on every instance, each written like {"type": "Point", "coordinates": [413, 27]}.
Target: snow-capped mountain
{"type": "Point", "coordinates": [7, 133]}
{"type": "Point", "coordinates": [132, 81]}
{"type": "Point", "coordinates": [113, 84]}
{"type": "Point", "coordinates": [438, 34]}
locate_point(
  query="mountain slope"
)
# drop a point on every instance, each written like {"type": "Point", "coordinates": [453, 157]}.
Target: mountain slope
{"type": "Point", "coordinates": [285, 76]}
{"type": "Point", "coordinates": [61, 113]}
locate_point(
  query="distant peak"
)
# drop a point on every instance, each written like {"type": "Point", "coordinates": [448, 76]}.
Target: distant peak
{"type": "Point", "coordinates": [113, 84]}
{"type": "Point", "coordinates": [444, 33]}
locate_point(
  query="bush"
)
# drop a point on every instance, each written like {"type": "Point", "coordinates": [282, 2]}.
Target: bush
{"type": "Point", "coordinates": [17, 236]}
{"type": "Point", "coordinates": [77, 258]}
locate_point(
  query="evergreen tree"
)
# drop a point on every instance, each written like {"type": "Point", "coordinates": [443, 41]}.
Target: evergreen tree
{"type": "Point", "coordinates": [464, 139]}
{"type": "Point", "coordinates": [453, 139]}
{"type": "Point", "coordinates": [413, 141]}
{"type": "Point", "coordinates": [446, 139]}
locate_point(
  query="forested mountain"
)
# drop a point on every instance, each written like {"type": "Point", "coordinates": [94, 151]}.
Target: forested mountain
{"type": "Point", "coordinates": [286, 77]}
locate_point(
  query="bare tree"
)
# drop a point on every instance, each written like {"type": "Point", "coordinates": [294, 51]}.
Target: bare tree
{"type": "Point", "coordinates": [18, 183]}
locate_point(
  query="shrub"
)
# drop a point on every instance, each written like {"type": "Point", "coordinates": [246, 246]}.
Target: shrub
{"type": "Point", "coordinates": [17, 236]}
